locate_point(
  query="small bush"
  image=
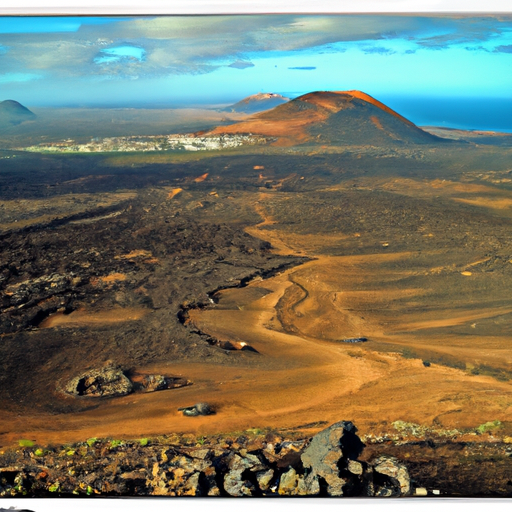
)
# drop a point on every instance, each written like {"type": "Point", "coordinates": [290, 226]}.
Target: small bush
{"type": "Point", "coordinates": [144, 441]}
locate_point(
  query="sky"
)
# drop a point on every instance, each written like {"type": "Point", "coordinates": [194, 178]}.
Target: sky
{"type": "Point", "coordinates": [435, 69]}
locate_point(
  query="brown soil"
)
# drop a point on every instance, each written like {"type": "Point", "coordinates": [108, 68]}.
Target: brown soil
{"type": "Point", "coordinates": [386, 261]}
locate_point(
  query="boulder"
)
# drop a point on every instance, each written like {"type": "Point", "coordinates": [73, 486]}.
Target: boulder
{"type": "Point", "coordinates": [322, 457]}
{"type": "Point", "coordinates": [100, 382]}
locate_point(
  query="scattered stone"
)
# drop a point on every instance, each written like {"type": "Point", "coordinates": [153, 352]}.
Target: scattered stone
{"type": "Point", "coordinates": [192, 487]}
{"type": "Point", "coordinates": [188, 464]}
{"type": "Point", "coordinates": [420, 491]}
{"type": "Point", "coordinates": [234, 483]}
{"type": "Point", "coordinates": [288, 483]}
{"type": "Point", "coordinates": [308, 486]}
{"type": "Point", "coordinates": [101, 382]}
{"type": "Point", "coordinates": [264, 478]}
{"type": "Point", "coordinates": [269, 452]}
{"type": "Point", "coordinates": [210, 481]}
{"type": "Point", "coordinates": [356, 468]}
{"type": "Point", "coordinates": [199, 409]}
{"type": "Point", "coordinates": [355, 340]}
{"type": "Point", "coordinates": [291, 446]}
{"type": "Point", "coordinates": [397, 472]}
{"type": "Point", "coordinates": [201, 454]}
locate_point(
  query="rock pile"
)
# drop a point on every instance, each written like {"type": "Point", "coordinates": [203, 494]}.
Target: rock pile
{"type": "Point", "coordinates": [326, 465]}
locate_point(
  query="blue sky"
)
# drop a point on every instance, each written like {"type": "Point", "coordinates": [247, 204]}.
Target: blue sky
{"type": "Point", "coordinates": [403, 60]}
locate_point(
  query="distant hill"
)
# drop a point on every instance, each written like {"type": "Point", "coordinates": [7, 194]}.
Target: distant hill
{"type": "Point", "coordinates": [12, 113]}
{"type": "Point", "coordinates": [341, 117]}
{"type": "Point", "coordinates": [257, 103]}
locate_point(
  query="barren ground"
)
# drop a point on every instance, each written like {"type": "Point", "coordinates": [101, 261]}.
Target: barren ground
{"type": "Point", "coordinates": [413, 256]}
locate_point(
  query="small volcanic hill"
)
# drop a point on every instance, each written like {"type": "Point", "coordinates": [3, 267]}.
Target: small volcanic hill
{"type": "Point", "coordinates": [257, 103]}
{"type": "Point", "coordinates": [12, 113]}
{"type": "Point", "coordinates": [341, 117]}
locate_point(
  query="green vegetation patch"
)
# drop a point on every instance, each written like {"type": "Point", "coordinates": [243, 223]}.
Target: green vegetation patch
{"type": "Point", "coordinates": [26, 443]}
{"type": "Point", "coordinates": [490, 426]}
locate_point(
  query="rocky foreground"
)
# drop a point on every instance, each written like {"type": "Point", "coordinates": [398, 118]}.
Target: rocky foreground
{"type": "Point", "coordinates": [326, 465]}
{"type": "Point", "coordinates": [335, 462]}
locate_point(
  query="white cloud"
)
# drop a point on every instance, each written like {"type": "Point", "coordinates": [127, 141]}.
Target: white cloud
{"type": "Point", "coordinates": [200, 44]}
